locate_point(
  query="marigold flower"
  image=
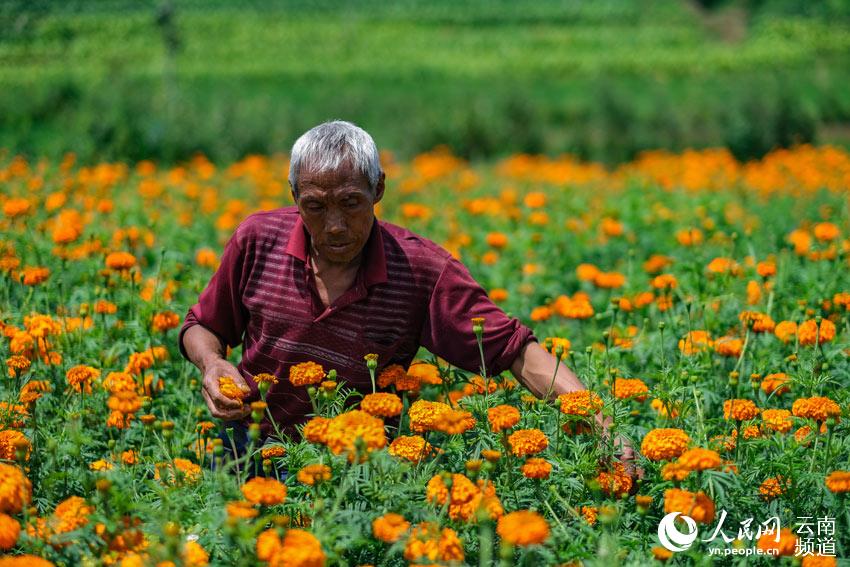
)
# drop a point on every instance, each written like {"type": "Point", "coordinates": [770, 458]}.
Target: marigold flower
{"type": "Point", "coordinates": [527, 442]}
{"type": "Point", "coordinates": [410, 447]}
{"type": "Point", "coordinates": [10, 530]}
{"type": "Point", "coordinates": [581, 403]}
{"type": "Point", "coordinates": [491, 456]}
{"type": "Point", "coordinates": [10, 442]}
{"type": "Point", "coordinates": [664, 281]}
{"type": "Point", "coordinates": [17, 364]}
{"type": "Point", "coordinates": [838, 481]}
{"type": "Point", "coordinates": [739, 410]}
{"type": "Point", "coordinates": [15, 489]}
{"type": "Point", "coordinates": [773, 487]}
{"type": "Point", "coordinates": [522, 528]}
{"type": "Point", "coordinates": [615, 482]}
{"type": "Point", "coordinates": [785, 331]}
{"type": "Point", "coordinates": [425, 373]}
{"type": "Point", "coordinates": [776, 383]}
{"type": "Point", "coordinates": [241, 509]}
{"type": "Point", "coordinates": [80, 378]}
{"type": "Point", "coordinates": [728, 346]}
{"type": "Point", "coordinates": [230, 389]}
{"type": "Point", "coordinates": [164, 321]}
{"type": "Point", "coordinates": [675, 471]}
{"type": "Point", "coordinates": [816, 408]}
{"type": "Point", "coordinates": [502, 417]}
{"type": "Point", "coordinates": [298, 548]}
{"type": "Point", "coordinates": [664, 444]}
{"type": "Point", "coordinates": [424, 415]}
{"type": "Point", "coordinates": [306, 373]}
{"type": "Point", "coordinates": [264, 491]}
{"type": "Point", "coordinates": [497, 240]}
{"type": "Point", "coordinates": [590, 514]}
{"type": "Point", "coordinates": [784, 547]}
{"type": "Point", "coordinates": [559, 343]}
{"type": "Point", "coordinates": [777, 420]}
{"type": "Point", "coordinates": [34, 275]}
{"type": "Point", "coordinates": [314, 474]}
{"type": "Point", "coordinates": [664, 410]}
{"type": "Point", "coordinates": [695, 342]}
{"type": "Point", "coordinates": [696, 505]}
{"type": "Point", "coordinates": [455, 422]}
{"type": "Point", "coordinates": [390, 527]}
{"type": "Point", "coordinates": [120, 261]}
{"type": "Point", "coordinates": [345, 429]}
{"type": "Point", "coordinates": [207, 258]}
{"type": "Point", "coordinates": [183, 470]}
{"type": "Point", "coordinates": [428, 542]}
{"type": "Point", "coordinates": [273, 452]}
{"type": "Point", "coordinates": [32, 391]}
{"type": "Point", "coordinates": [536, 467]}
{"type": "Point", "coordinates": [723, 266]}
{"type": "Point", "coordinates": [316, 430]}
{"type": "Point", "coordinates": [689, 236]}
{"type": "Point", "coordinates": [808, 332]}
{"type": "Point", "coordinates": [766, 269]}
{"type": "Point", "coordinates": [382, 404]}
{"type": "Point", "coordinates": [101, 465]}
{"type": "Point", "coordinates": [630, 388]}
{"type": "Point", "coordinates": [390, 375]}
{"type": "Point", "coordinates": [826, 231]}
{"type": "Point", "coordinates": [609, 280]}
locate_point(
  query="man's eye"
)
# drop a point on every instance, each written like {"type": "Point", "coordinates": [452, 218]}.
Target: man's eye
{"type": "Point", "coordinates": [315, 208]}
{"type": "Point", "coordinates": [351, 203]}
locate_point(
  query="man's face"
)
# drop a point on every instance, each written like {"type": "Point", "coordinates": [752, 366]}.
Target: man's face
{"type": "Point", "coordinates": [337, 208]}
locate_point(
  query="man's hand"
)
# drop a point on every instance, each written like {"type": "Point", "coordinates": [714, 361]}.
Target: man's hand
{"type": "Point", "coordinates": [220, 405]}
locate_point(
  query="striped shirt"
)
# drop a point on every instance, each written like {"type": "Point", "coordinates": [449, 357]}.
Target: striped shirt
{"type": "Point", "coordinates": [408, 292]}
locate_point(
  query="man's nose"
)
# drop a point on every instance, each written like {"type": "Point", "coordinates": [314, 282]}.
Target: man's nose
{"type": "Point", "coordinates": [335, 223]}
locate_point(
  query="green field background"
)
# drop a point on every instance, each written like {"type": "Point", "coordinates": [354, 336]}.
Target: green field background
{"type": "Point", "coordinates": [119, 79]}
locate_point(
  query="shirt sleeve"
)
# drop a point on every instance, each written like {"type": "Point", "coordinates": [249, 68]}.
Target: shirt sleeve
{"type": "Point", "coordinates": [219, 307]}
{"type": "Point", "coordinates": [447, 330]}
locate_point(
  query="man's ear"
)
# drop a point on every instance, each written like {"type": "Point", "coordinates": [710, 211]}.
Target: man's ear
{"type": "Point", "coordinates": [379, 188]}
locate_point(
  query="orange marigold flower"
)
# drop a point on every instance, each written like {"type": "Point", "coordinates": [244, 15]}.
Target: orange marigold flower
{"type": "Point", "coordinates": [586, 272]}
{"type": "Point", "coordinates": [264, 491]}
{"type": "Point", "coordinates": [424, 415]}
{"type": "Point", "coordinates": [809, 333]}
{"type": "Point", "coordinates": [455, 422]}
{"type": "Point", "coordinates": [609, 280]}
{"type": "Point", "coordinates": [728, 346]}
{"type": "Point", "coordinates": [15, 489]}
{"type": "Point", "coordinates": [766, 269]}
{"type": "Point", "coordinates": [590, 514]}
{"type": "Point", "coordinates": [390, 527]}
{"type": "Point", "coordinates": [615, 482]}
{"type": "Point", "coordinates": [298, 548]}
{"type": "Point", "coordinates": [527, 442]}
{"type": "Point", "coordinates": [10, 530]}
{"type": "Point", "coordinates": [664, 410]}
{"type": "Point", "coordinates": [723, 266]}
{"type": "Point", "coordinates": [497, 240]}
{"type": "Point", "coordinates": [695, 342]}
{"type": "Point", "coordinates": [817, 408]}
{"type": "Point", "coordinates": [785, 331]}
{"type": "Point", "coordinates": [664, 444]}
{"type": "Point", "coordinates": [229, 388]}
{"type": "Point", "coordinates": [265, 378]}
{"type": "Point", "coordinates": [502, 417]}
{"type": "Point", "coordinates": [316, 430]}
{"type": "Point", "coordinates": [826, 231]}
{"type": "Point", "coordinates": [164, 321]}
{"type": "Point", "coordinates": [464, 498]}
{"type": "Point", "coordinates": [32, 391]}
{"type": "Point", "coordinates": [345, 429]}
{"type": "Point", "coordinates": [273, 452]}
{"type": "Point", "coordinates": [381, 404]}
{"type": "Point", "coordinates": [778, 383]}
{"type": "Point", "coordinates": [428, 542]}
{"type": "Point", "coordinates": [838, 481]}
{"type": "Point", "coordinates": [425, 373]}
{"type": "Point", "coordinates": [665, 281]}
{"type": "Point", "coordinates": [696, 505]}
{"type": "Point", "coordinates": [241, 509]}
{"type": "Point", "coordinates": [739, 410]}
{"type": "Point", "coordinates": [80, 378]}
{"type": "Point", "coordinates": [11, 440]}
{"type": "Point", "coordinates": [656, 263]}
{"type": "Point", "coordinates": [522, 528]}
{"type": "Point", "coordinates": [581, 403]}
{"type": "Point", "coordinates": [558, 344]}
{"type": "Point", "coordinates": [314, 474]}
{"type": "Point", "coordinates": [183, 470]}
{"type": "Point", "coordinates": [698, 459]}
{"type": "Point", "coordinates": [777, 420]}
{"type": "Point", "coordinates": [390, 375]}
{"type": "Point", "coordinates": [630, 388]}
{"type": "Point", "coordinates": [306, 373]}
{"type": "Point", "coordinates": [785, 546]}
{"type": "Point", "coordinates": [120, 260]}
{"type": "Point", "coordinates": [536, 467]}
{"type": "Point", "coordinates": [17, 364]}
{"type": "Point", "coordinates": [773, 487]}
{"type": "Point", "coordinates": [675, 471]}
{"type": "Point", "coordinates": [689, 236]}
{"type": "Point", "coordinates": [491, 456]}
{"type": "Point", "coordinates": [34, 275]}
{"type": "Point", "coordinates": [410, 447]}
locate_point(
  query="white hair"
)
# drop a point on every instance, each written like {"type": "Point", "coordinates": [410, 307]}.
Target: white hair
{"type": "Point", "coordinates": [330, 144]}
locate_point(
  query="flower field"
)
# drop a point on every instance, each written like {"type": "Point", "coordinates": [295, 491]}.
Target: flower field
{"type": "Point", "coordinates": [703, 301]}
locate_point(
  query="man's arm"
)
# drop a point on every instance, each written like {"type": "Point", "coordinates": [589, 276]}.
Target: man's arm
{"type": "Point", "coordinates": [206, 352]}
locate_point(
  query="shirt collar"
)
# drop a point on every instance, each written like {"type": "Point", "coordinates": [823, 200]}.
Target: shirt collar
{"type": "Point", "coordinates": [374, 266]}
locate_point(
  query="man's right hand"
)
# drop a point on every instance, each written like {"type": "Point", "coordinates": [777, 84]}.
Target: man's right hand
{"type": "Point", "coordinates": [220, 405]}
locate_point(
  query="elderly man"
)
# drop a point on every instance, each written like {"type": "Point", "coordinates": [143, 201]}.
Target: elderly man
{"type": "Point", "coordinates": [325, 281]}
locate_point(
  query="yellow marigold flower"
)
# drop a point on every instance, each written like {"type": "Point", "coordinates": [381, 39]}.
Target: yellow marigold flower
{"type": "Point", "coordinates": [425, 373]}
{"type": "Point", "coordinates": [630, 388]}
{"type": "Point", "coordinates": [502, 417]}
{"type": "Point", "coordinates": [265, 378]}
{"type": "Point", "coordinates": [559, 343]}
{"type": "Point", "coordinates": [15, 489]}
{"type": "Point", "coordinates": [410, 447]}
{"type": "Point", "coordinates": [777, 420]}
{"type": "Point", "coordinates": [101, 465]}
{"type": "Point", "coordinates": [817, 408]}
{"type": "Point", "coordinates": [316, 430]}
{"type": "Point", "coordinates": [777, 383]}
{"type": "Point", "coordinates": [183, 470]}
{"type": "Point", "coordinates": [809, 332]}
{"type": "Point", "coordinates": [773, 487]}
{"type": "Point", "coordinates": [17, 364]}
{"type": "Point", "coordinates": [390, 527]}
{"type": "Point", "coordinates": [10, 530]}
{"type": "Point", "coordinates": [120, 260]}
{"type": "Point", "coordinates": [428, 542]}
{"type": "Point", "coordinates": [696, 505]}
{"type": "Point", "coordinates": [527, 442]}
{"type": "Point", "coordinates": [241, 509]}
{"type": "Point", "coordinates": [381, 404]}
{"type": "Point", "coordinates": [818, 561]}
{"type": "Point", "coordinates": [739, 410]}
{"type": "Point", "coordinates": [306, 373]}
{"type": "Point", "coordinates": [664, 444]}
{"type": "Point", "coordinates": [838, 481]}
{"type": "Point", "coordinates": [536, 467]}
{"type": "Point", "coordinates": [345, 429]}
{"type": "Point", "coordinates": [615, 482]}
{"type": "Point", "coordinates": [695, 342]}
{"type": "Point", "coordinates": [784, 547]}
{"type": "Point", "coordinates": [698, 459]}
{"type": "Point", "coordinates": [522, 528]}
{"type": "Point", "coordinates": [314, 474]}
{"type": "Point", "coordinates": [785, 331]}
{"type": "Point", "coordinates": [464, 497]}
{"type": "Point", "coordinates": [264, 491]}
{"type": "Point", "coordinates": [424, 415]}
{"type": "Point", "coordinates": [581, 403]}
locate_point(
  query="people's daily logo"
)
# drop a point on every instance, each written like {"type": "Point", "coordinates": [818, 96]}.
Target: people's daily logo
{"type": "Point", "coordinates": [670, 536]}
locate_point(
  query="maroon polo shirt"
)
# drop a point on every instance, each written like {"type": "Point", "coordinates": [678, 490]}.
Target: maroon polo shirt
{"type": "Point", "coordinates": [408, 292]}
